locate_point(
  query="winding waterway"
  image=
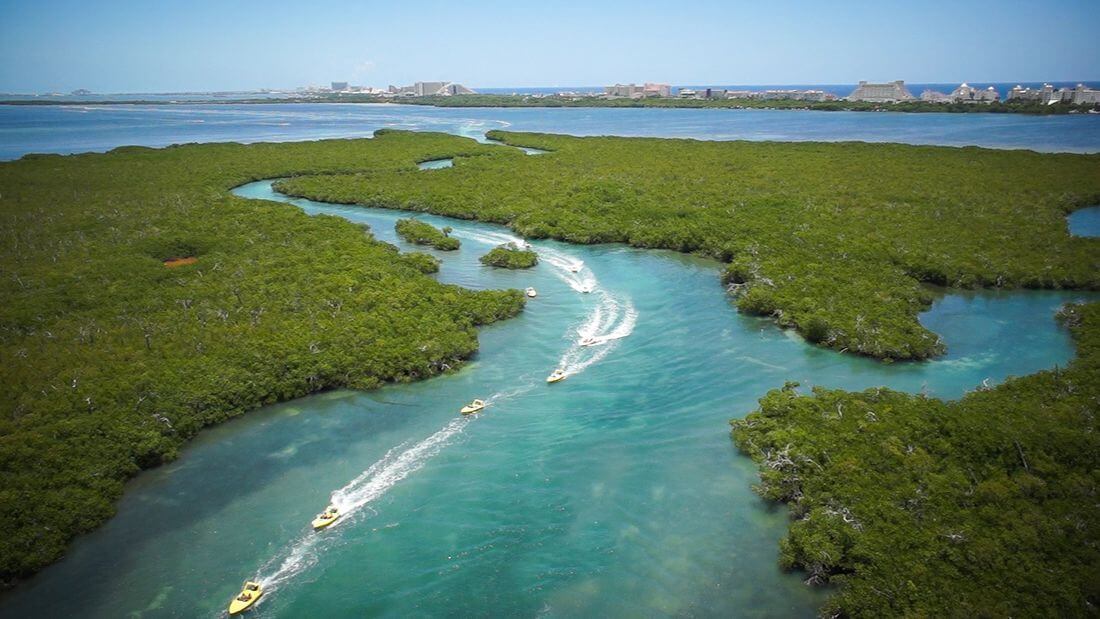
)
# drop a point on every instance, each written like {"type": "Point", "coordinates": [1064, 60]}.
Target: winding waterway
{"type": "Point", "coordinates": [614, 493]}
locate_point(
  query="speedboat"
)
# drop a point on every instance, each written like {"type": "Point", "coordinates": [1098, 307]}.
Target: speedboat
{"type": "Point", "coordinates": [555, 376]}
{"type": "Point", "coordinates": [576, 267]}
{"type": "Point", "coordinates": [325, 518]}
{"type": "Point", "coordinates": [248, 596]}
{"type": "Point", "coordinates": [588, 340]}
{"type": "Point", "coordinates": [473, 407]}
{"type": "Point", "coordinates": [587, 288]}
{"type": "Point", "coordinates": [531, 292]}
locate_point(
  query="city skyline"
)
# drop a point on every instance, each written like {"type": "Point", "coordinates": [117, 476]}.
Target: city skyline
{"type": "Point", "coordinates": [61, 45]}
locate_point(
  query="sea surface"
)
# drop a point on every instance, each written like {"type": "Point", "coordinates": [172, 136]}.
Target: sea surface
{"type": "Point", "coordinates": [81, 128]}
{"type": "Point", "coordinates": [615, 493]}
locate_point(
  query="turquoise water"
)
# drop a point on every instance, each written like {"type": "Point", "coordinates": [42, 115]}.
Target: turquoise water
{"type": "Point", "coordinates": [614, 493]}
{"type": "Point", "coordinates": [1085, 222]}
{"type": "Point", "coordinates": [436, 164]}
{"type": "Point", "coordinates": [81, 128]}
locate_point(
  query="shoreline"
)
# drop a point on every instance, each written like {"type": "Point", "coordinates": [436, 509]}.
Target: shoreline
{"type": "Point", "coordinates": [524, 101]}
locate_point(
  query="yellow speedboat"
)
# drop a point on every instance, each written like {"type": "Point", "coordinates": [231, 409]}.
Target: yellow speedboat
{"type": "Point", "coordinates": [531, 292]}
{"type": "Point", "coordinates": [555, 376]}
{"type": "Point", "coordinates": [248, 596]}
{"type": "Point", "coordinates": [325, 518]}
{"type": "Point", "coordinates": [473, 407]}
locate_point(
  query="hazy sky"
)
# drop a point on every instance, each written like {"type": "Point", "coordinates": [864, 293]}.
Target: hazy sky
{"type": "Point", "coordinates": [167, 45]}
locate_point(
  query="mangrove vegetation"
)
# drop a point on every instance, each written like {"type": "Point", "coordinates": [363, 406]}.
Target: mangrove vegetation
{"type": "Point", "coordinates": [509, 256]}
{"type": "Point", "coordinates": [837, 241]}
{"type": "Point", "coordinates": [916, 507]}
{"type": "Point", "coordinates": [142, 302]}
{"type": "Point", "coordinates": [420, 233]}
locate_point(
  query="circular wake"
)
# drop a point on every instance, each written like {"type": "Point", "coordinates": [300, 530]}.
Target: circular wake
{"type": "Point", "coordinates": [612, 319]}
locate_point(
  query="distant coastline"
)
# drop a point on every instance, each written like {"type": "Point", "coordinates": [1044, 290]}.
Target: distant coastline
{"type": "Point", "coordinates": [555, 101]}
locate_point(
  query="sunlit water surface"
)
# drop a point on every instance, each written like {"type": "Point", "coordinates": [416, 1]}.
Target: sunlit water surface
{"type": "Point", "coordinates": [80, 128]}
{"type": "Point", "coordinates": [1085, 222]}
{"type": "Point", "coordinates": [614, 493]}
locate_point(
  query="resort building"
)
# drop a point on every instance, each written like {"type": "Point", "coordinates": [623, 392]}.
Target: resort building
{"type": "Point", "coordinates": [657, 90]}
{"type": "Point", "coordinates": [767, 95]}
{"type": "Point", "coordinates": [1019, 93]}
{"type": "Point", "coordinates": [429, 89]}
{"type": "Point", "coordinates": [889, 92]}
{"type": "Point", "coordinates": [1048, 95]}
{"type": "Point", "coordinates": [933, 96]}
{"type": "Point", "coordinates": [1083, 95]}
{"type": "Point", "coordinates": [633, 91]}
{"type": "Point", "coordinates": [795, 95]}
{"type": "Point", "coordinates": [966, 93]}
{"type": "Point", "coordinates": [339, 86]}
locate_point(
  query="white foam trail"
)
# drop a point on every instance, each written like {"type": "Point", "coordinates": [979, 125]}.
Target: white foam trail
{"type": "Point", "coordinates": [489, 238]}
{"type": "Point", "coordinates": [611, 320]}
{"type": "Point", "coordinates": [384, 474]}
{"type": "Point", "coordinates": [392, 468]}
{"type": "Point", "coordinates": [568, 269]}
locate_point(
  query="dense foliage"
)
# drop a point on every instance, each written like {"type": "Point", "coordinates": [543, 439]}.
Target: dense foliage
{"type": "Point", "coordinates": [110, 361]}
{"type": "Point", "coordinates": [509, 256]}
{"type": "Point", "coordinates": [986, 506]}
{"type": "Point", "coordinates": [834, 240]}
{"type": "Point", "coordinates": [420, 233]}
{"type": "Point", "coordinates": [425, 263]}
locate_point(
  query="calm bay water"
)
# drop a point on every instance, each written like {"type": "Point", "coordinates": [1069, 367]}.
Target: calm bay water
{"type": "Point", "coordinates": [76, 128]}
{"type": "Point", "coordinates": [614, 493]}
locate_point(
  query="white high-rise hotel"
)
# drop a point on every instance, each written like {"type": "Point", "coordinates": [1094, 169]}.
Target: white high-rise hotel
{"type": "Point", "coordinates": [889, 92]}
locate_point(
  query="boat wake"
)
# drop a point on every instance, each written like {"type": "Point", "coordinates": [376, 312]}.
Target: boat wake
{"type": "Point", "coordinates": [612, 319]}
{"type": "Point", "coordinates": [396, 465]}
{"type": "Point", "coordinates": [567, 268]}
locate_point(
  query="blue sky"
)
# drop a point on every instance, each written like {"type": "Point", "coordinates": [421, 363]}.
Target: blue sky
{"type": "Point", "coordinates": [168, 45]}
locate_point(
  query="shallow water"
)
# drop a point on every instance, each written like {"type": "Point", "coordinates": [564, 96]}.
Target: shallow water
{"type": "Point", "coordinates": [614, 493]}
{"type": "Point", "coordinates": [436, 164]}
{"type": "Point", "coordinates": [80, 128]}
{"type": "Point", "coordinates": [1085, 222]}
